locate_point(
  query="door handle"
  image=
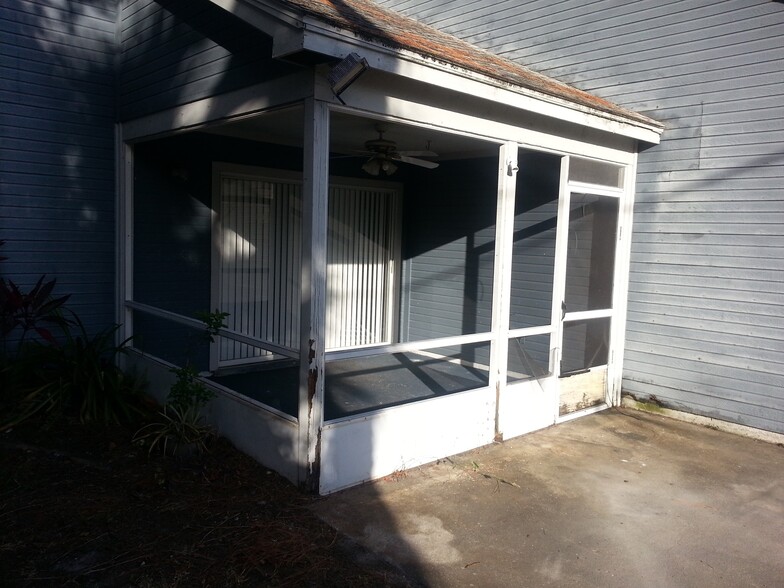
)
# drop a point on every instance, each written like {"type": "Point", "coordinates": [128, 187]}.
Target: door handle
{"type": "Point", "coordinates": [563, 310]}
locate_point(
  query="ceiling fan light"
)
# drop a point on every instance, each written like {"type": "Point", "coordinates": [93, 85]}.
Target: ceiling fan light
{"type": "Point", "coordinates": [372, 166]}
{"type": "Point", "coordinates": [388, 167]}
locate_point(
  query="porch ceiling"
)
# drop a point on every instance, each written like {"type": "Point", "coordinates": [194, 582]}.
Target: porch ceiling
{"type": "Point", "coordinates": [349, 133]}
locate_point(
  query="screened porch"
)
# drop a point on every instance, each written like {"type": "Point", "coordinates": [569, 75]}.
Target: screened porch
{"type": "Point", "coordinates": [478, 284]}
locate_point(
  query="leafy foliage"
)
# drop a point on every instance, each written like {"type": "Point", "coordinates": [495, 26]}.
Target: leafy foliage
{"type": "Point", "coordinates": [187, 391]}
{"type": "Point", "coordinates": [180, 423]}
{"type": "Point", "coordinates": [176, 428]}
{"type": "Point", "coordinates": [67, 370]}
{"type": "Point", "coordinates": [78, 375]}
{"type": "Point", "coordinates": [30, 311]}
{"type": "Point", "coordinates": [213, 321]}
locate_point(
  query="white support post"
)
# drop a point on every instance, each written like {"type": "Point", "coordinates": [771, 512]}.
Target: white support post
{"type": "Point", "coordinates": [315, 191]}
{"type": "Point", "coordinates": [621, 281]}
{"type": "Point", "coordinates": [559, 279]}
{"type": "Point", "coordinates": [502, 274]}
{"type": "Point", "coordinates": [124, 234]}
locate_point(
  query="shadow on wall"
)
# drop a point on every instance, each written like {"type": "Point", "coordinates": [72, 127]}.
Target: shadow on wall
{"type": "Point", "coordinates": [57, 210]}
{"type": "Point", "coordinates": [179, 169]}
{"type": "Point", "coordinates": [177, 51]}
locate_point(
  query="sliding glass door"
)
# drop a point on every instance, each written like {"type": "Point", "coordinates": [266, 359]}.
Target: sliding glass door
{"type": "Point", "coordinates": [258, 262]}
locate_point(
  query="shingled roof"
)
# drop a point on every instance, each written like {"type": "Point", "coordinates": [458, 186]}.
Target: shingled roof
{"type": "Point", "coordinates": [377, 24]}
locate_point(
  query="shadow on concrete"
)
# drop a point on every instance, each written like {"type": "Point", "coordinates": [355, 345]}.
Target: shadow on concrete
{"type": "Point", "coordinates": [619, 498]}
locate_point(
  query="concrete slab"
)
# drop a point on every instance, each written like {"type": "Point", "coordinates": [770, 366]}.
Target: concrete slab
{"type": "Point", "coordinates": [618, 498]}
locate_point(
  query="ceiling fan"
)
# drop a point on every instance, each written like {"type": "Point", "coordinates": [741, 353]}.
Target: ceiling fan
{"type": "Point", "coordinates": [384, 156]}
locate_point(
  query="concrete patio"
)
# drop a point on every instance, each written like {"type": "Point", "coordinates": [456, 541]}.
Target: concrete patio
{"type": "Point", "coordinates": [618, 498]}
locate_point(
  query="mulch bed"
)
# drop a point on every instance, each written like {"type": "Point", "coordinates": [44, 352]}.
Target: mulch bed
{"type": "Point", "coordinates": [82, 506]}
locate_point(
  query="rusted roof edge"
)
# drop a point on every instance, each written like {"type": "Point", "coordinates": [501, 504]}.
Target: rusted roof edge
{"type": "Point", "coordinates": [375, 24]}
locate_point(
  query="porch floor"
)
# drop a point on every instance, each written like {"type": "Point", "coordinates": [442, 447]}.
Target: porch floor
{"type": "Point", "coordinates": [363, 384]}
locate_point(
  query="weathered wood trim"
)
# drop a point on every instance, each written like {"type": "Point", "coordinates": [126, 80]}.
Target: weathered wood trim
{"type": "Point", "coordinates": [269, 17]}
{"type": "Point", "coordinates": [315, 192]}
{"type": "Point", "coordinates": [582, 391]}
{"type": "Point", "coordinates": [321, 39]}
{"type": "Point", "coordinates": [292, 34]}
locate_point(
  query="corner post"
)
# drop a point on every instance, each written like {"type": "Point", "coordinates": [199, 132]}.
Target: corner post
{"type": "Point", "coordinates": [315, 190]}
{"type": "Point", "coordinates": [502, 276]}
{"type": "Point", "coordinates": [621, 280]}
{"type": "Point", "coordinates": [124, 164]}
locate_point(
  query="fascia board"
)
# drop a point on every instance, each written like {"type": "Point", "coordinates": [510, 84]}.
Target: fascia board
{"type": "Point", "coordinates": [318, 37]}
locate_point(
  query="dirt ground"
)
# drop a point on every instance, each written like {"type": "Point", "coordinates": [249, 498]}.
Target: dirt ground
{"type": "Point", "coordinates": [82, 506]}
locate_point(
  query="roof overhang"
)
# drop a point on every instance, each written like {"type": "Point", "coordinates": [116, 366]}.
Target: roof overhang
{"type": "Point", "coordinates": [300, 27]}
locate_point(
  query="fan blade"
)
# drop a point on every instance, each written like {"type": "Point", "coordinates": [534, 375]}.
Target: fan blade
{"type": "Point", "coordinates": [354, 152]}
{"type": "Point", "coordinates": [419, 162]}
{"type": "Point", "coordinates": [419, 153]}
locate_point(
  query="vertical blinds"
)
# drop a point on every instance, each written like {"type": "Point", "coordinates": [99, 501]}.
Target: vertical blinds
{"type": "Point", "coordinates": [260, 264]}
{"type": "Point", "coordinates": [361, 256]}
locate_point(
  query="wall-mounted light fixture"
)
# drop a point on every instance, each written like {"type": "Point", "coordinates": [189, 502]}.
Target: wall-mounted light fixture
{"type": "Point", "coordinates": [346, 73]}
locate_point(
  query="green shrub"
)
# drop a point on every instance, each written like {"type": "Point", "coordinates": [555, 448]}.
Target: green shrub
{"type": "Point", "coordinates": [180, 423]}
{"type": "Point", "coordinates": [78, 376]}
{"type": "Point", "coordinates": [187, 391]}
{"type": "Point", "coordinates": [176, 428]}
{"type": "Point", "coordinates": [62, 371]}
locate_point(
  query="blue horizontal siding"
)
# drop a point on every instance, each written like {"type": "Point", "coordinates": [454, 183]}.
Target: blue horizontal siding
{"type": "Point", "coordinates": [709, 217]}
{"type": "Point", "coordinates": [181, 51]}
{"type": "Point", "coordinates": [57, 149]}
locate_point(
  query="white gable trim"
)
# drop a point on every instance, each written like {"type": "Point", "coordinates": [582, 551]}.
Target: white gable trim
{"type": "Point", "coordinates": [292, 34]}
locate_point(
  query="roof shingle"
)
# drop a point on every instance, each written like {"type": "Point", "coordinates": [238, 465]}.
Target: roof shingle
{"type": "Point", "coordinates": [377, 24]}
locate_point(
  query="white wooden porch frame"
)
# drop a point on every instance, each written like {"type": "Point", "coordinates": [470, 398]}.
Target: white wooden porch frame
{"type": "Point", "coordinates": [267, 435]}
{"type": "Point", "coordinates": [313, 319]}
{"type": "Point", "coordinates": [365, 102]}
{"type": "Point", "coordinates": [369, 446]}
{"type": "Point", "coordinates": [502, 279]}
{"type": "Point", "coordinates": [617, 312]}
{"type": "Point", "coordinates": [264, 98]}
{"type": "Point", "coordinates": [223, 332]}
{"type": "Point", "coordinates": [231, 106]}
{"type": "Point", "coordinates": [318, 445]}
{"type": "Point", "coordinates": [623, 253]}
{"type": "Point", "coordinates": [124, 235]}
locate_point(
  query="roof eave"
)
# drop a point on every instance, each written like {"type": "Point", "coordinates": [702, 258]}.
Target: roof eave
{"type": "Point", "coordinates": [321, 38]}
{"type": "Point", "coordinates": [294, 32]}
